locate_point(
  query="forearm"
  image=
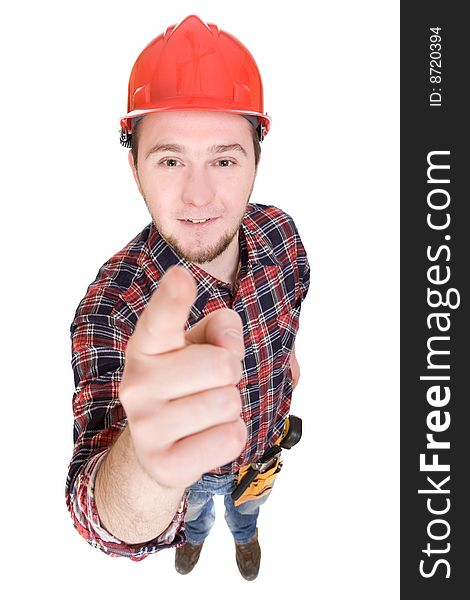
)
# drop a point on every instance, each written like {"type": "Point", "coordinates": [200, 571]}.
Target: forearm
{"type": "Point", "coordinates": [132, 506]}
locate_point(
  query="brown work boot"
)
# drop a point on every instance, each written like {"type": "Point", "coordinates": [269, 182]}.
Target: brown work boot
{"type": "Point", "coordinates": [186, 557]}
{"type": "Point", "coordinates": [248, 558]}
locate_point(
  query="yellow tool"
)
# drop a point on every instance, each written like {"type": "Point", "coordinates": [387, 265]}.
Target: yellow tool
{"type": "Point", "coordinates": [256, 479]}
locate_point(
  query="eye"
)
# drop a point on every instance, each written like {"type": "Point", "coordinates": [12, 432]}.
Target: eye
{"type": "Point", "coordinates": [225, 160]}
{"type": "Point", "coordinates": [168, 160]}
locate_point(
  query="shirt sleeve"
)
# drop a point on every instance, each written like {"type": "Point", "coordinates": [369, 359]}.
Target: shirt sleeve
{"type": "Point", "coordinates": [98, 351]}
{"type": "Point", "coordinates": [88, 523]}
{"type": "Point", "coordinates": [304, 277]}
{"type": "Point", "coordinates": [303, 267]}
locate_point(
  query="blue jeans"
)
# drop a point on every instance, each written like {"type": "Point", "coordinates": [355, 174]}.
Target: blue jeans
{"type": "Point", "coordinates": [200, 515]}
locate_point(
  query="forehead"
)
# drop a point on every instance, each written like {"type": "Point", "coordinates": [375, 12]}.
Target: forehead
{"type": "Point", "coordinates": [195, 122]}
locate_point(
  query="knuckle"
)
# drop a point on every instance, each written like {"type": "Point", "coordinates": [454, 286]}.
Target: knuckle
{"type": "Point", "coordinates": [201, 408]}
{"type": "Point", "coordinates": [237, 435]}
{"type": "Point", "coordinates": [145, 431]}
{"type": "Point", "coordinates": [127, 391]}
{"type": "Point", "coordinates": [228, 366]}
{"type": "Point", "coordinates": [132, 344]}
{"type": "Point", "coordinates": [230, 401]}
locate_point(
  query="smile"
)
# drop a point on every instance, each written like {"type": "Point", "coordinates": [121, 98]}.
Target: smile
{"type": "Point", "coordinates": [198, 221]}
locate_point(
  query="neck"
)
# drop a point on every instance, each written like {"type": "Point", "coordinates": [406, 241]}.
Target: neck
{"type": "Point", "coordinates": [226, 266]}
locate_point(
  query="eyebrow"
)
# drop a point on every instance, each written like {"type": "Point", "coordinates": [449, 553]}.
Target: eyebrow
{"type": "Point", "coordinates": [215, 149]}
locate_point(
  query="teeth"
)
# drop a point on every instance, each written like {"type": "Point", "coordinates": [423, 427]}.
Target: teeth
{"type": "Point", "coordinates": [197, 220]}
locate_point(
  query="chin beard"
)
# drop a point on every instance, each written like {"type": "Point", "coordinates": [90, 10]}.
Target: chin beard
{"type": "Point", "coordinates": [200, 256]}
{"type": "Point", "coordinates": [203, 255]}
{"type": "Point", "coordinates": [195, 254]}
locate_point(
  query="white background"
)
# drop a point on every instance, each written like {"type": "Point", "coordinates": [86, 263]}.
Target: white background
{"type": "Point", "coordinates": [330, 72]}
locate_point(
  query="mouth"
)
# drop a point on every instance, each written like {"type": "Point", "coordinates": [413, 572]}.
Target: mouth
{"type": "Point", "coordinates": [198, 222]}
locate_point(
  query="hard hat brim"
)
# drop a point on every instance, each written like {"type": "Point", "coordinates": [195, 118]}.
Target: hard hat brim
{"type": "Point", "coordinates": [126, 121]}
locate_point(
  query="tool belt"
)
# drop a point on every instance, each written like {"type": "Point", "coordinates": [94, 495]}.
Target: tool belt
{"type": "Point", "coordinates": [257, 479]}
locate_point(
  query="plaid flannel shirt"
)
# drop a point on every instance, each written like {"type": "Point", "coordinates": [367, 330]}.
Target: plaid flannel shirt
{"type": "Point", "coordinates": [271, 284]}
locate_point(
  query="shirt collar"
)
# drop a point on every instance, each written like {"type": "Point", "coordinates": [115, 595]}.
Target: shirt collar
{"type": "Point", "coordinates": [258, 247]}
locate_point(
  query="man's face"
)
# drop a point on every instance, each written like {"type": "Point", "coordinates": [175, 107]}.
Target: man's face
{"type": "Point", "coordinates": [183, 172]}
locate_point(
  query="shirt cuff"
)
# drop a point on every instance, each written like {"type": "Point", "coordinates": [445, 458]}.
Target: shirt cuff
{"type": "Point", "coordinates": [88, 523]}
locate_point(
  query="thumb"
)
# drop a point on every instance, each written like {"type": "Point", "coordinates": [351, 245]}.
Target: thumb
{"type": "Point", "coordinates": [160, 327]}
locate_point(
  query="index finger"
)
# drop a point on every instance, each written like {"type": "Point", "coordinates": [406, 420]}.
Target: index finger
{"type": "Point", "coordinates": [160, 327]}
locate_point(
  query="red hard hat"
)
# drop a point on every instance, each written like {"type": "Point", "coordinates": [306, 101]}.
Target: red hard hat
{"type": "Point", "coordinates": [194, 66]}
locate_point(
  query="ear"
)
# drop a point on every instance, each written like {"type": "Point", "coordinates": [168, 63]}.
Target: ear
{"type": "Point", "coordinates": [133, 167]}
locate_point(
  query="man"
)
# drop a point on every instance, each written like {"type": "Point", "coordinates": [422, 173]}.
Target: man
{"type": "Point", "coordinates": [183, 346]}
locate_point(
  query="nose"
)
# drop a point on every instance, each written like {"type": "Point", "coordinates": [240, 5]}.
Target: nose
{"type": "Point", "coordinates": [197, 188]}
